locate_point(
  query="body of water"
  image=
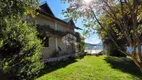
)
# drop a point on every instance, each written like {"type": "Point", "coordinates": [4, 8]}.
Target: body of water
{"type": "Point", "coordinates": [93, 48]}
{"type": "Point", "coordinates": [93, 51]}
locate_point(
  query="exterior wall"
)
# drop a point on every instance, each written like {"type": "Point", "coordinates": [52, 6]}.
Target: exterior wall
{"type": "Point", "coordinates": [64, 27]}
{"type": "Point", "coordinates": [54, 41]}
{"type": "Point", "coordinates": [48, 51]}
{"type": "Point", "coordinates": [65, 49]}
{"type": "Point", "coordinates": [42, 20]}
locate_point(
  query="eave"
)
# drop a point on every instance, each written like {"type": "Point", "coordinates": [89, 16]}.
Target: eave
{"type": "Point", "coordinates": [53, 17]}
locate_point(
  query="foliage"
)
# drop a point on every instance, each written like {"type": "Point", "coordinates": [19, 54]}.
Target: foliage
{"type": "Point", "coordinates": [44, 30]}
{"type": "Point", "coordinates": [80, 44]}
{"type": "Point", "coordinates": [80, 55]}
{"type": "Point", "coordinates": [112, 50]}
{"type": "Point", "coordinates": [109, 46]}
{"type": "Point", "coordinates": [124, 16]}
{"type": "Point", "coordinates": [19, 46]}
{"type": "Point", "coordinates": [78, 36]}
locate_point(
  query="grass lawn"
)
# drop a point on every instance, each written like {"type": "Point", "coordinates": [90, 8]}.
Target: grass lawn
{"type": "Point", "coordinates": [92, 68]}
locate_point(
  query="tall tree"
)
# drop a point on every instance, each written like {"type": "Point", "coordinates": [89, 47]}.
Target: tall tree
{"type": "Point", "coordinates": [109, 46]}
{"type": "Point", "coordinates": [20, 49]}
{"type": "Point", "coordinates": [126, 14]}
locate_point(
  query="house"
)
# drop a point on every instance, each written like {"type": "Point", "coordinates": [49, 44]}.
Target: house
{"type": "Point", "coordinates": [54, 45]}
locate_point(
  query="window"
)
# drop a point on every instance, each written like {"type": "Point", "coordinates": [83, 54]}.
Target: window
{"type": "Point", "coordinates": [45, 40]}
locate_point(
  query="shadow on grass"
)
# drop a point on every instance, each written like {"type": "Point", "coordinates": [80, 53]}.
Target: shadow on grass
{"type": "Point", "coordinates": [52, 66]}
{"type": "Point", "coordinates": [124, 64]}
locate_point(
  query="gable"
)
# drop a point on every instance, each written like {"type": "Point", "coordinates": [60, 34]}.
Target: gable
{"type": "Point", "coordinates": [45, 8]}
{"type": "Point", "coordinates": [67, 20]}
{"type": "Point", "coordinates": [46, 11]}
{"type": "Point", "coordinates": [70, 21]}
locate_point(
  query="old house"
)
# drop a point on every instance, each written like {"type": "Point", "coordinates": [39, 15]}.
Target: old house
{"type": "Point", "coordinates": [52, 32]}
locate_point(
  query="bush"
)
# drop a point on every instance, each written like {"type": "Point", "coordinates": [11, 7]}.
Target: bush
{"type": "Point", "coordinates": [80, 55]}
{"type": "Point", "coordinates": [112, 50]}
{"type": "Point", "coordinates": [20, 49]}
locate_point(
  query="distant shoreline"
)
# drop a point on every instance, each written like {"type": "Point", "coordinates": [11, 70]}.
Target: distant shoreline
{"type": "Point", "coordinates": [93, 51]}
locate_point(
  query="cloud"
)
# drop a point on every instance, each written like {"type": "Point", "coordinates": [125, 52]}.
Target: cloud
{"type": "Point", "coordinates": [93, 40]}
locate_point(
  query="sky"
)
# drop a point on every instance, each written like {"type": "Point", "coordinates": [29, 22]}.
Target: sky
{"type": "Point", "coordinates": [57, 6]}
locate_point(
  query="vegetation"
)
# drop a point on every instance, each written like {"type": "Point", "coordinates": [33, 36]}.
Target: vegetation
{"type": "Point", "coordinates": [44, 30]}
{"type": "Point", "coordinates": [20, 49]}
{"type": "Point", "coordinates": [124, 15]}
{"type": "Point", "coordinates": [109, 46]}
{"type": "Point", "coordinates": [79, 46]}
{"type": "Point", "coordinates": [93, 68]}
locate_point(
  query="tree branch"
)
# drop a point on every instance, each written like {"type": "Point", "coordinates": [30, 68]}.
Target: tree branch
{"type": "Point", "coordinates": [109, 34]}
{"type": "Point", "coordinates": [120, 23]}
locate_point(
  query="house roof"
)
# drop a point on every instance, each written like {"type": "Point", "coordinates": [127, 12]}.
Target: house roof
{"type": "Point", "coordinates": [45, 10]}
{"type": "Point", "coordinates": [67, 20]}
{"type": "Point", "coordinates": [70, 21]}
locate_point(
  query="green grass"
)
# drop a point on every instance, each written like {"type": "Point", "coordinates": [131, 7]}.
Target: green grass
{"type": "Point", "coordinates": [92, 68]}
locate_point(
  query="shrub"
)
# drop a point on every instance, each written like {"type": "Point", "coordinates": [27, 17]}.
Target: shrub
{"type": "Point", "coordinates": [112, 50]}
{"type": "Point", "coordinates": [80, 55]}
{"type": "Point", "coordinates": [20, 50]}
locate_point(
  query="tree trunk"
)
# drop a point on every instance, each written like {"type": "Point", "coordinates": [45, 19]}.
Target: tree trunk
{"type": "Point", "coordinates": [140, 67]}
{"type": "Point", "coordinates": [139, 64]}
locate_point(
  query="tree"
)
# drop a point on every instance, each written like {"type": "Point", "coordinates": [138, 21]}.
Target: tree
{"type": "Point", "coordinates": [20, 49]}
{"type": "Point", "coordinates": [109, 46]}
{"type": "Point", "coordinates": [126, 14]}
{"type": "Point", "coordinates": [80, 44]}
